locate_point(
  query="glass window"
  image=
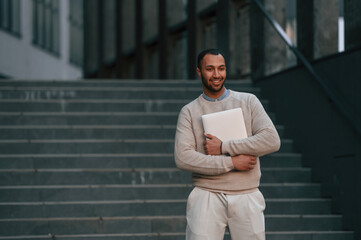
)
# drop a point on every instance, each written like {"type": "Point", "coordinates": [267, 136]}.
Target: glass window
{"type": "Point", "coordinates": [47, 24]}
{"type": "Point", "coordinates": [76, 32]}
{"type": "Point", "coordinates": [55, 26]}
{"type": "Point", "coordinates": [341, 29]}
{"type": "Point", "coordinates": [10, 16]}
{"type": "Point", "coordinates": [46, 31]}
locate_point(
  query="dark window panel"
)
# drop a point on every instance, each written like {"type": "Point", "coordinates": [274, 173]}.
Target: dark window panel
{"type": "Point", "coordinates": [10, 16]}
{"type": "Point", "coordinates": [46, 29]}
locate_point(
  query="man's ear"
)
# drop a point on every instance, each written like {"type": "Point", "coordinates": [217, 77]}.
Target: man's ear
{"type": "Point", "coordinates": [199, 72]}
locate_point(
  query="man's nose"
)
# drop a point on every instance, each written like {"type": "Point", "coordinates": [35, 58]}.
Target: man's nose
{"type": "Point", "coordinates": [216, 74]}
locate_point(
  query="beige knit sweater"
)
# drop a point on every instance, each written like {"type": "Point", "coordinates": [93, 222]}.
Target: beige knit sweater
{"type": "Point", "coordinates": [216, 173]}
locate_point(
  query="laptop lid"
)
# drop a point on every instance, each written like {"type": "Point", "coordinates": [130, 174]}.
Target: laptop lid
{"type": "Point", "coordinates": [225, 125]}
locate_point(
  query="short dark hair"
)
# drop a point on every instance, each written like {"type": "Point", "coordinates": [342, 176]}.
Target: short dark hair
{"type": "Point", "coordinates": [212, 51]}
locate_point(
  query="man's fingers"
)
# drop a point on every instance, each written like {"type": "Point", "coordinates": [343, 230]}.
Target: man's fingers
{"type": "Point", "coordinates": [210, 136]}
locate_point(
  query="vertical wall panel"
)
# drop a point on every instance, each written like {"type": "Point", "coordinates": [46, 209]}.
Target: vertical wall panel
{"type": "Point", "coordinates": [192, 38]}
{"type": "Point", "coordinates": [257, 42]}
{"type": "Point", "coordinates": [150, 19]}
{"type": "Point", "coordinates": [128, 25]}
{"type": "Point", "coordinates": [305, 28]}
{"type": "Point", "coordinates": [352, 13]}
{"type": "Point", "coordinates": [239, 52]}
{"type": "Point", "coordinates": [139, 51]}
{"type": "Point", "coordinates": [274, 47]}
{"type": "Point", "coordinates": [91, 38]}
{"type": "Point", "coordinates": [176, 12]}
{"type": "Point", "coordinates": [109, 31]}
{"type": "Point", "coordinates": [162, 39]}
{"type": "Point", "coordinates": [325, 27]}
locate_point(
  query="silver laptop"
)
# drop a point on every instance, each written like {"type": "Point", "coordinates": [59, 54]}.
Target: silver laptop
{"type": "Point", "coordinates": [225, 125]}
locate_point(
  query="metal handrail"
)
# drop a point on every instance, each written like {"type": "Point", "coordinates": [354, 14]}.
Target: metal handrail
{"type": "Point", "coordinates": [308, 66]}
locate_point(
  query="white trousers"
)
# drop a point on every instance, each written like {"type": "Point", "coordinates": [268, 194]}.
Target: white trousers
{"type": "Point", "coordinates": [209, 213]}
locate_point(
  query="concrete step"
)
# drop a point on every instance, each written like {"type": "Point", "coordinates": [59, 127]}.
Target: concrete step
{"type": "Point", "coordinates": [94, 160]}
{"type": "Point", "coordinates": [290, 190]}
{"type": "Point", "coordinates": [93, 176]}
{"type": "Point", "coordinates": [87, 118]}
{"type": "Point", "coordinates": [88, 132]}
{"type": "Point", "coordinates": [97, 105]}
{"type": "Point", "coordinates": [310, 235]}
{"type": "Point", "coordinates": [117, 92]}
{"type": "Point", "coordinates": [16, 84]}
{"type": "Point", "coordinates": [286, 175]}
{"type": "Point", "coordinates": [91, 118]}
{"type": "Point", "coordinates": [132, 160]}
{"type": "Point", "coordinates": [92, 105]}
{"type": "Point", "coordinates": [86, 146]}
{"type": "Point", "coordinates": [92, 132]}
{"type": "Point", "coordinates": [165, 207]}
{"type": "Point", "coordinates": [152, 224]}
{"type": "Point", "coordinates": [280, 159]}
{"type": "Point", "coordinates": [11, 177]}
{"type": "Point", "coordinates": [270, 235]}
{"type": "Point", "coordinates": [115, 192]}
{"type": "Point", "coordinates": [69, 161]}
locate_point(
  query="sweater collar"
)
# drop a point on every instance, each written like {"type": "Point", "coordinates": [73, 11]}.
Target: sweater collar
{"type": "Point", "coordinates": [224, 95]}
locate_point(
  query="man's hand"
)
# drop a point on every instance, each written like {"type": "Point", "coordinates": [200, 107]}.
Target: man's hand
{"type": "Point", "coordinates": [212, 146]}
{"type": "Point", "coordinates": [244, 162]}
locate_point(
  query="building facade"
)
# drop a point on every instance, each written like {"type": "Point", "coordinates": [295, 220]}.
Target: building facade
{"type": "Point", "coordinates": [161, 38]}
{"type": "Point", "coordinates": [41, 39]}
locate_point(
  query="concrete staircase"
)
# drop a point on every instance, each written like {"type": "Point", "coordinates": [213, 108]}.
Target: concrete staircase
{"type": "Point", "coordinates": [93, 160]}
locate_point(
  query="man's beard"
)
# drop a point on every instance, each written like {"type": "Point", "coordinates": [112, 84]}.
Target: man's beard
{"type": "Point", "coordinates": [210, 88]}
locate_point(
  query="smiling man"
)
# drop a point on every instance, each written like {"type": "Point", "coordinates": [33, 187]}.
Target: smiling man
{"type": "Point", "coordinates": [225, 175]}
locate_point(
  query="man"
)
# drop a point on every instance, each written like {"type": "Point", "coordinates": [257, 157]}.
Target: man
{"type": "Point", "coordinates": [225, 175]}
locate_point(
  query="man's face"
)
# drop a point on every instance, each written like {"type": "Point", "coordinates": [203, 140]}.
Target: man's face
{"type": "Point", "coordinates": [213, 75]}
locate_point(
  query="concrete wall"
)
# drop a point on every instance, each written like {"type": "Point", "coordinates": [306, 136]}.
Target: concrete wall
{"type": "Point", "coordinates": [20, 59]}
{"type": "Point", "coordinates": [328, 142]}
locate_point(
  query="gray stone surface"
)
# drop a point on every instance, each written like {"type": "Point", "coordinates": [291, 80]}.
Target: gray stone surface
{"type": "Point", "coordinates": [91, 173]}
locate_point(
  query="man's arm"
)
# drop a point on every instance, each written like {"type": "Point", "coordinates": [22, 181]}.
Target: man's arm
{"type": "Point", "coordinates": [188, 158]}
{"type": "Point", "coordinates": [264, 139]}
{"type": "Point", "coordinates": [242, 162]}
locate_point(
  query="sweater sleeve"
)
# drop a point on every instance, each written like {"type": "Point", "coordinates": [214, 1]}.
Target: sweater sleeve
{"type": "Point", "coordinates": [188, 158]}
{"type": "Point", "coordinates": [264, 139]}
